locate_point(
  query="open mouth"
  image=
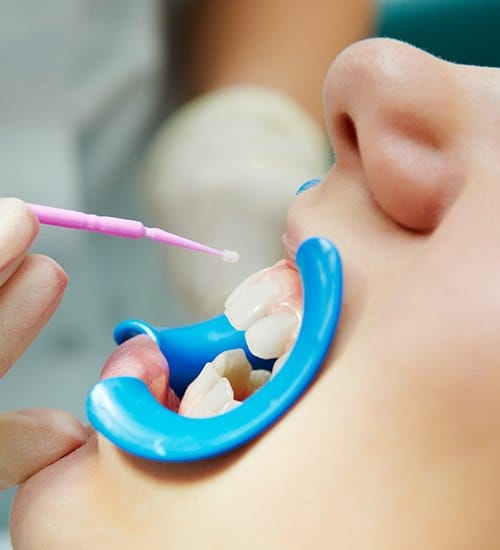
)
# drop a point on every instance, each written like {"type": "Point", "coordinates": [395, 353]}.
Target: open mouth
{"type": "Point", "coordinates": [267, 306]}
{"type": "Point", "coordinates": [277, 317]}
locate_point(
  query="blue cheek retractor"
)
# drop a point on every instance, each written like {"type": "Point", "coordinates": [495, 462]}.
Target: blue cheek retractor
{"type": "Point", "coordinates": [124, 410]}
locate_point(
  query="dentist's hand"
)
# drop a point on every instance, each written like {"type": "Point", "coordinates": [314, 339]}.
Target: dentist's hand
{"type": "Point", "coordinates": [31, 287]}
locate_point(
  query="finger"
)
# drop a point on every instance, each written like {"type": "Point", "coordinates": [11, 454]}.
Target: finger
{"type": "Point", "coordinates": [27, 301]}
{"type": "Point", "coordinates": [34, 438]}
{"type": "Point", "coordinates": [18, 228]}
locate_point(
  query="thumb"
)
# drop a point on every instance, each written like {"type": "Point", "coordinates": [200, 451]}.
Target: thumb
{"type": "Point", "coordinates": [34, 438]}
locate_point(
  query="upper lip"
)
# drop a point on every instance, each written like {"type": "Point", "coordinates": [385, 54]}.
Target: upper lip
{"type": "Point", "coordinates": [293, 237]}
{"type": "Point", "coordinates": [290, 249]}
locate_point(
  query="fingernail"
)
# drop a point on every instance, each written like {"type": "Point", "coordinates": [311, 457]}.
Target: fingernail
{"type": "Point", "coordinates": [307, 185]}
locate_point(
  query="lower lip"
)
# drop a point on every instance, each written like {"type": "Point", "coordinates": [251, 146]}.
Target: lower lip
{"type": "Point", "coordinates": [141, 358]}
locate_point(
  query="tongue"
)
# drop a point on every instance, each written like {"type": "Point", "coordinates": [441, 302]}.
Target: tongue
{"type": "Point", "coordinates": [141, 358]}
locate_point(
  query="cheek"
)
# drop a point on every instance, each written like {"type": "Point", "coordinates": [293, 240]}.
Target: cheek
{"type": "Point", "coordinates": [431, 369]}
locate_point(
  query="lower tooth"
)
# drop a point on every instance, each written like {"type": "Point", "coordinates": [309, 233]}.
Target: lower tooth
{"type": "Point", "coordinates": [230, 406]}
{"type": "Point", "coordinates": [257, 379]}
{"type": "Point", "coordinates": [234, 366]}
{"type": "Point", "coordinates": [229, 378]}
{"type": "Point", "coordinates": [279, 363]}
{"type": "Point", "coordinates": [198, 388]}
{"type": "Point", "coordinates": [214, 402]}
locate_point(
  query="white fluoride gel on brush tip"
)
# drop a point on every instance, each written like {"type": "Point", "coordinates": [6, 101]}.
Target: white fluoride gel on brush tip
{"type": "Point", "coordinates": [230, 256]}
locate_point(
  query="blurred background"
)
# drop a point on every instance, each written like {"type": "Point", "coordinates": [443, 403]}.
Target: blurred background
{"type": "Point", "coordinates": [81, 94]}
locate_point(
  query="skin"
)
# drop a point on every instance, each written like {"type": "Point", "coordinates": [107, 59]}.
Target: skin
{"type": "Point", "coordinates": [396, 445]}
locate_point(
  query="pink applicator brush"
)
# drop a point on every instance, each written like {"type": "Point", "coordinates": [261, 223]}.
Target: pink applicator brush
{"type": "Point", "coordinates": [120, 227]}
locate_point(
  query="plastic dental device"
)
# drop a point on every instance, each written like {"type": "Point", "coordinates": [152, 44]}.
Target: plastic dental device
{"type": "Point", "coordinates": [121, 227]}
{"type": "Point", "coordinates": [124, 410]}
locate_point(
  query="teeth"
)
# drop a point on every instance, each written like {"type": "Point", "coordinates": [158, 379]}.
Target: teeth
{"type": "Point", "coordinates": [257, 379]}
{"type": "Point", "coordinates": [214, 402]}
{"type": "Point", "coordinates": [221, 385]}
{"type": "Point", "coordinates": [224, 383]}
{"type": "Point", "coordinates": [253, 304]}
{"type": "Point", "coordinates": [279, 363]}
{"type": "Point", "coordinates": [230, 406]}
{"type": "Point", "coordinates": [268, 307]}
{"type": "Point", "coordinates": [240, 289]}
{"type": "Point", "coordinates": [268, 337]}
{"type": "Point", "coordinates": [198, 388]}
{"type": "Point", "coordinates": [234, 365]}
{"type": "Point", "coordinates": [254, 298]}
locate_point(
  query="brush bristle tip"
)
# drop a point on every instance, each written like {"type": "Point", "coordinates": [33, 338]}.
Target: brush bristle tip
{"type": "Point", "coordinates": [230, 256]}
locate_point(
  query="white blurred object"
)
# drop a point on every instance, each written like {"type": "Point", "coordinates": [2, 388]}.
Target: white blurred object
{"type": "Point", "coordinates": [223, 170]}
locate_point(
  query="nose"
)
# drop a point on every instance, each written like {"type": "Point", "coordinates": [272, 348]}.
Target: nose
{"type": "Point", "coordinates": [391, 112]}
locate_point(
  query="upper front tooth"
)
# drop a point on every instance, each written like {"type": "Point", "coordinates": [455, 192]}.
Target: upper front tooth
{"type": "Point", "coordinates": [268, 337]}
{"type": "Point", "coordinates": [252, 304]}
{"type": "Point", "coordinates": [244, 285]}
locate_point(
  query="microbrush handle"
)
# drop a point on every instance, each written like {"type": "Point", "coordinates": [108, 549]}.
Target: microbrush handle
{"type": "Point", "coordinates": [120, 227]}
{"type": "Point", "coordinates": [72, 219]}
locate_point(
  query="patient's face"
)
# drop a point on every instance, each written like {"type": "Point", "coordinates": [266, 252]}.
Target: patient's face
{"type": "Point", "coordinates": [397, 443]}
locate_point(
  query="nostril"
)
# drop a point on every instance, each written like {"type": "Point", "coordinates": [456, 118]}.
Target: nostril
{"type": "Point", "coordinates": [348, 131]}
{"type": "Point", "coordinates": [347, 137]}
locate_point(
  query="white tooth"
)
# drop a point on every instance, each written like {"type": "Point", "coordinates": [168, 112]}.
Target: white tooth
{"type": "Point", "coordinates": [253, 303]}
{"type": "Point", "coordinates": [257, 379]}
{"type": "Point", "coordinates": [243, 286]}
{"type": "Point", "coordinates": [230, 406]}
{"type": "Point", "coordinates": [269, 336]}
{"type": "Point", "coordinates": [214, 401]}
{"type": "Point", "coordinates": [234, 365]}
{"type": "Point", "coordinates": [198, 388]}
{"type": "Point", "coordinates": [279, 363]}
{"type": "Point", "coordinates": [229, 358]}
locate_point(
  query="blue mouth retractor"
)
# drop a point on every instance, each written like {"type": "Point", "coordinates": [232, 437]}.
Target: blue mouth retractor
{"type": "Point", "coordinates": [124, 410]}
